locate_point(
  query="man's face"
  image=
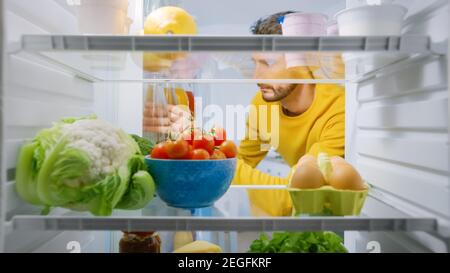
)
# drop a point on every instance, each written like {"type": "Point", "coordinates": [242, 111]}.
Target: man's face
{"type": "Point", "coordinates": [272, 66]}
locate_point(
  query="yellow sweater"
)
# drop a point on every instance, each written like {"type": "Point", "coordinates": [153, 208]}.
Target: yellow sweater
{"type": "Point", "coordinates": [320, 129]}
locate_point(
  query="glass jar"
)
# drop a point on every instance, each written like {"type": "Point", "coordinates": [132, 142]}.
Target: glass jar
{"type": "Point", "coordinates": [140, 242]}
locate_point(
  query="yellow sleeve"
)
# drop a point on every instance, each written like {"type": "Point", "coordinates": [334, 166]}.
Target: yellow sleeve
{"type": "Point", "coordinates": [275, 202]}
{"type": "Point", "coordinates": [263, 202]}
{"type": "Point", "coordinates": [332, 139]}
{"type": "Point", "coordinates": [250, 150]}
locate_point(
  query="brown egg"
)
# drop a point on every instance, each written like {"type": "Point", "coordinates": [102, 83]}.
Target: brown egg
{"type": "Point", "coordinates": [307, 159]}
{"type": "Point", "coordinates": [345, 177]}
{"type": "Point", "coordinates": [337, 160]}
{"type": "Point", "coordinates": [307, 176]}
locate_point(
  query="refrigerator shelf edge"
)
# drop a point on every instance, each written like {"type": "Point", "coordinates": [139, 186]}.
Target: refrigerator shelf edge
{"type": "Point", "coordinates": [34, 223]}
{"type": "Point", "coordinates": [231, 81]}
{"type": "Point", "coordinates": [227, 215]}
{"type": "Point", "coordinates": [405, 44]}
{"type": "Point", "coordinates": [212, 59]}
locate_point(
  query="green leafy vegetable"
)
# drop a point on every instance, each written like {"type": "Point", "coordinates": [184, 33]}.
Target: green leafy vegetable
{"type": "Point", "coordinates": [144, 144]}
{"type": "Point", "coordinates": [139, 190]}
{"type": "Point", "coordinates": [299, 242]}
{"type": "Point", "coordinates": [86, 165]}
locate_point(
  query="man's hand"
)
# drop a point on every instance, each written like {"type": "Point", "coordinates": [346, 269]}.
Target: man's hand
{"type": "Point", "coordinates": [166, 118]}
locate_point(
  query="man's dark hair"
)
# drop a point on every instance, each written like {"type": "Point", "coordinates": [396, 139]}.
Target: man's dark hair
{"type": "Point", "coordinates": [269, 25]}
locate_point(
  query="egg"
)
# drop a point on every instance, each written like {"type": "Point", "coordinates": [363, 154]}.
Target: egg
{"type": "Point", "coordinates": [307, 159]}
{"type": "Point", "coordinates": [337, 160]}
{"type": "Point", "coordinates": [307, 176]}
{"type": "Point", "coordinates": [345, 177]}
{"type": "Point", "coordinates": [324, 164]}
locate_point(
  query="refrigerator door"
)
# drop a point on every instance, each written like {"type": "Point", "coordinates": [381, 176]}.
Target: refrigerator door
{"type": "Point", "coordinates": [33, 93]}
{"type": "Point", "coordinates": [397, 132]}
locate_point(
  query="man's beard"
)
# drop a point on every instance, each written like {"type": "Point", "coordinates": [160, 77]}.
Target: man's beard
{"type": "Point", "coordinates": [272, 93]}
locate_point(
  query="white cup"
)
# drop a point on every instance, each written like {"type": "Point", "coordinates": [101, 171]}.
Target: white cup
{"type": "Point", "coordinates": [379, 2]}
{"type": "Point", "coordinates": [371, 20]}
{"type": "Point", "coordinates": [103, 17]}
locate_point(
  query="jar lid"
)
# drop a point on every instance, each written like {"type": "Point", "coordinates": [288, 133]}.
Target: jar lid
{"type": "Point", "coordinates": [140, 233]}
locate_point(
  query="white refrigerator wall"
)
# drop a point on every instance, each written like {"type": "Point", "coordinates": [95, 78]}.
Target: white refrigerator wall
{"type": "Point", "coordinates": [2, 172]}
{"type": "Point", "coordinates": [397, 133]}
{"type": "Point", "coordinates": [35, 95]}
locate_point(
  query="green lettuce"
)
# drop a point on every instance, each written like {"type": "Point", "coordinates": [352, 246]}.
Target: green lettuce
{"type": "Point", "coordinates": [144, 144]}
{"type": "Point", "coordinates": [299, 242]}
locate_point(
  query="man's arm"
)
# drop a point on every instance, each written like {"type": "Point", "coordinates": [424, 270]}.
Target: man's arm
{"type": "Point", "coordinates": [250, 153]}
{"type": "Point", "coordinates": [278, 202]}
{"type": "Point", "coordinates": [263, 201]}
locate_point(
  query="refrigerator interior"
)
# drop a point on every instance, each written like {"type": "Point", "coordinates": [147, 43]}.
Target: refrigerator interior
{"type": "Point", "coordinates": [397, 122]}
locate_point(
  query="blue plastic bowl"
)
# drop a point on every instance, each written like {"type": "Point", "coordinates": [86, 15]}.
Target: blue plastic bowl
{"type": "Point", "coordinates": [191, 184]}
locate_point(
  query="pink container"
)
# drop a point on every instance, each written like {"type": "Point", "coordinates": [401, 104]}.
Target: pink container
{"type": "Point", "coordinates": [331, 64]}
{"type": "Point", "coordinates": [332, 28]}
{"type": "Point", "coordinates": [305, 18]}
{"type": "Point", "coordinates": [303, 24]}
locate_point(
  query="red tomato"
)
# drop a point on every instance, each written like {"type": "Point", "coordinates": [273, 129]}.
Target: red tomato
{"type": "Point", "coordinates": [189, 135]}
{"type": "Point", "coordinates": [189, 153]}
{"type": "Point", "coordinates": [218, 155]}
{"type": "Point", "coordinates": [200, 154]}
{"type": "Point", "coordinates": [205, 142]}
{"type": "Point", "coordinates": [228, 148]}
{"type": "Point", "coordinates": [219, 134]}
{"type": "Point", "coordinates": [177, 149]}
{"type": "Point", "coordinates": [159, 151]}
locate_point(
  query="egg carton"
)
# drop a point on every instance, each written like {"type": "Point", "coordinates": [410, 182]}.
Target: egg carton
{"type": "Point", "coordinates": [327, 200]}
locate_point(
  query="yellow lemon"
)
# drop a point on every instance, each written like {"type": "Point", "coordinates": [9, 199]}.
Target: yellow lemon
{"type": "Point", "coordinates": [166, 20]}
{"type": "Point", "coordinates": [170, 20]}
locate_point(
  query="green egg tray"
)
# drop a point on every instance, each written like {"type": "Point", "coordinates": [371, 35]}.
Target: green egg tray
{"type": "Point", "coordinates": [327, 201]}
